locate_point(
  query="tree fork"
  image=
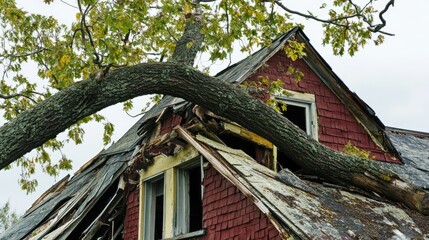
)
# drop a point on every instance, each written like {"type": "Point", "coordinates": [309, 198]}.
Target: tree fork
{"type": "Point", "coordinates": [34, 127]}
{"type": "Point", "coordinates": [190, 42]}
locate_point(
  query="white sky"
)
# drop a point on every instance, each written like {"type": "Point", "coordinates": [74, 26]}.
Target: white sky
{"type": "Point", "coordinates": [391, 78]}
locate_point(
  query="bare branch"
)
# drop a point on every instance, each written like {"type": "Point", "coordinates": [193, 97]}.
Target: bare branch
{"type": "Point", "coordinates": [331, 21]}
{"type": "Point", "coordinates": [134, 116]}
{"type": "Point", "coordinates": [358, 14]}
{"type": "Point", "coordinates": [66, 3]}
{"type": "Point", "coordinates": [378, 27]}
{"type": "Point", "coordinates": [36, 93]}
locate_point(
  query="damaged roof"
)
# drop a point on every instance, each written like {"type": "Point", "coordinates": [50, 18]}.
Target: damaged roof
{"type": "Point", "coordinates": [66, 207]}
{"type": "Point", "coordinates": [311, 210]}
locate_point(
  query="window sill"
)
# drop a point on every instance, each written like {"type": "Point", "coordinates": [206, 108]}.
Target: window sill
{"type": "Point", "coordinates": [190, 235]}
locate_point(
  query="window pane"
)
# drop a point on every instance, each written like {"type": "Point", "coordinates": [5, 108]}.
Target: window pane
{"type": "Point", "coordinates": [189, 210]}
{"type": "Point", "coordinates": [296, 115]}
{"type": "Point", "coordinates": [159, 208]}
{"type": "Point", "coordinates": [196, 209]}
{"type": "Point", "coordinates": [154, 209]}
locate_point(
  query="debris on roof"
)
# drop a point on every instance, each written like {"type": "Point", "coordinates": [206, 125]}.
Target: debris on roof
{"type": "Point", "coordinates": [313, 211]}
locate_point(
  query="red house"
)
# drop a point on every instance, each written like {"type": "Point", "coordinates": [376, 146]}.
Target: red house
{"type": "Point", "coordinates": [182, 172]}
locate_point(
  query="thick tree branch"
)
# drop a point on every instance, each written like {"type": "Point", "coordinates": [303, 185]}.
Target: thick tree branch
{"type": "Point", "coordinates": [189, 43]}
{"type": "Point", "coordinates": [46, 120]}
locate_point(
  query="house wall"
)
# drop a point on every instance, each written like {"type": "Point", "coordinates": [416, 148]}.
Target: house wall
{"type": "Point", "coordinates": [229, 214]}
{"type": "Point", "coordinates": [337, 125]}
{"type": "Point", "coordinates": [131, 221]}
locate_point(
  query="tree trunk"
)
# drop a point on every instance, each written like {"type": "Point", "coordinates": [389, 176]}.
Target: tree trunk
{"type": "Point", "coordinates": [34, 127]}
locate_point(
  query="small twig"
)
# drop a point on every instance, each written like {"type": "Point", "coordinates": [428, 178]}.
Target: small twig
{"type": "Point", "coordinates": [66, 3]}
{"type": "Point", "coordinates": [47, 68]}
{"type": "Point", "coordinates": [37, 93]}
{"type": "Point", "coordinates": [227, 16]}
{"type": "Point", "coordinates": [86, 29]}
{"type": "Point", "coordinates": [74, 35]}
{"type": "Point", "coordinates": [153, 54]}
{"type": "Point", "coordinates": [171, 35]}
{"type": "Point", "coordinates": [378, 27]}
{"type": "Point", "coordinates": [17, 95]}
{"type": "Point", "coordinates": [358, 14]}
{"type": "Point", "coordinates": [272, 13]}
{"type": "Point", "coordinates": [332, 21]}
{"type": "Point", "coordinates": [25, 54]}
{"type": "Point", "coordinates": [133, 116]}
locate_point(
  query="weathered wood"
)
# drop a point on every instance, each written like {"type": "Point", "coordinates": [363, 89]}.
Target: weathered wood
{"type": "Point", "coordinates": [232, 176]}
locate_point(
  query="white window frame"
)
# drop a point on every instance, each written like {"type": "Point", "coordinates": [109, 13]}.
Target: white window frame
{"type": "Point", "coordinates": [149, 202]}
{"type": "Point", "coordinates": [308, 102]}
{"type": "Point", "coordinates": [182, 201]}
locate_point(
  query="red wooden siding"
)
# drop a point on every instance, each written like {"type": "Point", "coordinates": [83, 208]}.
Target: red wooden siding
{"type": "Point", "coordinates": [168, 123]}
{"type": "Point", "coordinates": [228, 214]}
{"type": "Point", "coordinates": [131, 221]}
{"type": "Point", "coordinates": [337, 125]}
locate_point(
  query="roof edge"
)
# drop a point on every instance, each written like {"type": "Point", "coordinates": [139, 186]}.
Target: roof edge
{"type": "Point", "coordinates": [414, 133]}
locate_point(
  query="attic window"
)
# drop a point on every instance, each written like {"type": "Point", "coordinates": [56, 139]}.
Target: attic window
{"type": "Point", "coordinates": [301, 110]}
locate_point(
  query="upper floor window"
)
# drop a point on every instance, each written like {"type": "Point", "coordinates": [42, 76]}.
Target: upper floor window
{"type": "Point", "coordinates": [301, 110]}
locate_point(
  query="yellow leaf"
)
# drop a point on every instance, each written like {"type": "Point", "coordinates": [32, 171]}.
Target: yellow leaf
{"type": "Point", "coordinates": [64, 60]}
{"type": "Point", "coordinates": [187, 8]}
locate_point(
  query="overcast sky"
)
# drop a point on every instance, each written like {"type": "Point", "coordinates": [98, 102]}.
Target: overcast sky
{"type": "Point", "coordinates": [392, 78]}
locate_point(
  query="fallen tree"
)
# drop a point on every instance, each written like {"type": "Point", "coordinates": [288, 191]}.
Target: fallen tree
{"type": "Point", "coordinates": [111, 85]}
{"type": "Point", "coordinates": [33, 127]}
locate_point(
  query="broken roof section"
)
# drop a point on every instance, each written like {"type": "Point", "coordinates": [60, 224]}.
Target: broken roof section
{"type": "Point", "coordinates": [308, 210]}
{"type": "Point", "coordinates": [61, 210]}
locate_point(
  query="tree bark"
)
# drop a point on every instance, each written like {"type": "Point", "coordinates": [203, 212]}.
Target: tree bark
{"type": "Point", "coordinates": [43, 122]}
